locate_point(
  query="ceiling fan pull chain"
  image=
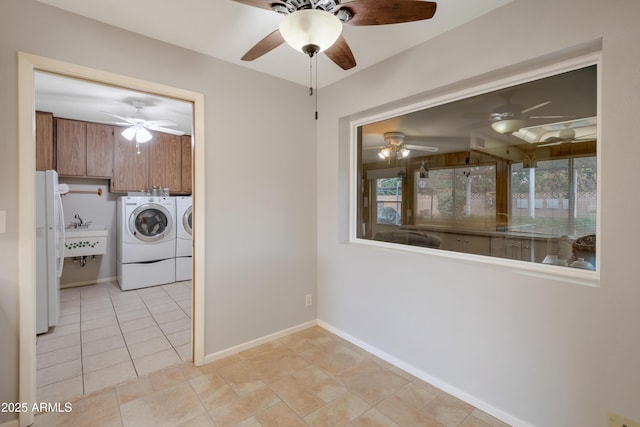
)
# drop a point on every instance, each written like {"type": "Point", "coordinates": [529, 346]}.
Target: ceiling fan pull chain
{"type": "Point", "coordinates": [316, 56]}
{"type": "Point", "coordinates": [310, 77]}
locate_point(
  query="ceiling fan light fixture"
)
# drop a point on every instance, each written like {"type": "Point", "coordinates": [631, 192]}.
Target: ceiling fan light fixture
{"type": "Point", "coordinates": [508, 125]}
{"type": "Point", "coordinates": [139, 132]}
{"type": "Point", "coordinates": [310, 31]}
{"type": "Point", "coordinates": [404, 153]}
{"type": "Point", "coordinates": [129, 133]}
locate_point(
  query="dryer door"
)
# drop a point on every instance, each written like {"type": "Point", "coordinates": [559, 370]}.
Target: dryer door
{"type": "Point", "coordinates": [187, 220]}
{"type": "Point", "coordinates": [150, 222]}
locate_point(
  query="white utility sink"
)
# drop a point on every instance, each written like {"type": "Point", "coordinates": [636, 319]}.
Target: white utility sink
{"type": "Point", "coordinates": [83, 241]}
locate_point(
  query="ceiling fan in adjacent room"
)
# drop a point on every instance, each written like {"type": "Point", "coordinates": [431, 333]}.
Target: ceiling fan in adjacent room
{"type": "Point", "coordinates": [314, 26]}
{"type": "Point", "coordinates": [138, 127]}
{"type": "Point", "coordinates": [396, 148]}
{"type": "Point", "coordinates": [567, 135]}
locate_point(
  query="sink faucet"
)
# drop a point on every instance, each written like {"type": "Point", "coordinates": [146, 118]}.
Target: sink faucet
{"type": "Point", "coordinates": [80, 222]}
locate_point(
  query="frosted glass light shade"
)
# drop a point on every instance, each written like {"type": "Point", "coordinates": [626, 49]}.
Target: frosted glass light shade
{"type": "Point", "coordinates": [140, 133]}
{"type": "Point", "coordinates": [508, 125]}
{"type": "Point", "coordinates": [310, 30]}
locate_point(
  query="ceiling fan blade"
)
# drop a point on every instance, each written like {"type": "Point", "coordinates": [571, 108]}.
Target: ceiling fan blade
{"type": "Point", "coordinates": [165, 130]}
{"type": "Point", "coordinates": [160, 123]}
{"type": "Point", "coordinates": [549, 144]}
{"type": "Point", "coordinates": [547, 117]}
{"type": "Point", "coordinates": [421, 148]}
{"type": "Point", "coordinates": [124, 119]}
{"type": "Point", "coordinates": [265, 45]}
{"type": "Point", "coordinates": [262, 4]}
{"type": "Point", "coordinates": [542, 104]}
{"type": "Point", "coordinates": [375, 12]}
{"type": "Point", "coordinates": [341, 54]}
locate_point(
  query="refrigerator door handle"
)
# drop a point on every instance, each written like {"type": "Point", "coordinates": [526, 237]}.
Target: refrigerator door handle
{"type": "Point", "coordinates": [61, 235]}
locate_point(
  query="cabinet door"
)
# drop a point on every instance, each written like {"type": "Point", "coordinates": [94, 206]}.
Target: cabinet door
{"type": "Point", "coordinates": [130, 167]}
{"type": "Point", "coordinates": [71, 147]}
{"type": "Point", "coordinates": [99, 150]}
{"type": "Point", "coordinates": [479, 245]}
{"type": "Point", "coordinates": [187, 174]}
{"type": "Point", "coordinates": [44, 141]}
{"type": "Point", "coordinates": [165, 161]}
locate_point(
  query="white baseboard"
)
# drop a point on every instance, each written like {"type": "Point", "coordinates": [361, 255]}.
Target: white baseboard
{"type": "Point", "coordinates": [11, 423]}
{"type": "Point", "coordinates": [418, 373]}
{"type": "Point", "coordinates": [258, 341]}
{"type": "Point", "coordinates": [85, 283]}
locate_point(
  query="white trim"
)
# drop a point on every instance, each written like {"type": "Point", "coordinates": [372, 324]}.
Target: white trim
{"type": "Point", "coordinates": [567, 275]}
{"type": "Point", "coordinates": [258, 341]}
{"type": "Point", "coordinates": [27, 65]}
{"type": "Point", "coordinates": [88, 282]}
{"type": "Point", "coordinates": [436, 382]}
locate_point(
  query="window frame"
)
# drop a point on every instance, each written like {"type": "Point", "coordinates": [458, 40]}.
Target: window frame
{"type": "Point", "coordinates": [430, 100]}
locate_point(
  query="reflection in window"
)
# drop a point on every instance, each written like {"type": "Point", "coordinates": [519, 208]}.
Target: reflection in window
{"type": "Point", "coordinates": [510, 173]}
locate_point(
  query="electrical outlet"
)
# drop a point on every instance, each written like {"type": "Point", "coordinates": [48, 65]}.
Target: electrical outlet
{"type": "Point", "coordinates": [308, 300]}
{"type": "Point", "coordinates": [616, 420]}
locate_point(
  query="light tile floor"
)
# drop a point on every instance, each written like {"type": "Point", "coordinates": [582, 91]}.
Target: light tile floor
{"type": "Point", "coordinates": [106, 336]}
{"type": "Point", "coordinates": [310, 378]}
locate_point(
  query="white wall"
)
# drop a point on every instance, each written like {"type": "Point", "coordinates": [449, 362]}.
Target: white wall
{"type": "Point", "coordinates": [535, 351]}
{"type": "Point", "coordinates": [100, 210]}
{"type": "Point", "coordinates": [260, 181]}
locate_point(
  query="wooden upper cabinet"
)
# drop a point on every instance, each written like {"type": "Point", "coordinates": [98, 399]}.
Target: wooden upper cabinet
{"type": "Point", "coordinates": [99, 150]}
{"type": "Point", "coordinates": [166, 161]}
{"type": "Point", "coordinates": [71, 147]}
{"type": "Point", "coordinates": [44, 141]}
{"type": "Point", "coordinates": [187, 174]}
{"type": "Point", "coordinates": [130, 166]}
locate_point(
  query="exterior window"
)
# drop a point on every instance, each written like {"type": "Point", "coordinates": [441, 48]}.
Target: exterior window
{"type": "Point", "coordinates": [509, 174]}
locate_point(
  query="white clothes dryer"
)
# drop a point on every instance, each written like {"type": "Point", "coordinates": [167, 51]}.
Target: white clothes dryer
{"type": "Point", "coordinates": [146, 241]}
{"type": "Point", "coordinates": [184, 237]}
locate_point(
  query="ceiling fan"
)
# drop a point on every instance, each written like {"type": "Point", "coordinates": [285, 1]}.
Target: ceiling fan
{"type": "Point", "coordinates": [510, 117]}
{"type": "Point", "coordinates": [138, 127]}
{"type": "Point", "coordinates": [397, 149]}
{"type": "Point", "coordinates": [313, 26]}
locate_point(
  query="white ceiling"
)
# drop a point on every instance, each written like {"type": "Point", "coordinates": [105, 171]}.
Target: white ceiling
{"type": "Point", "coordinates": [226, 29]}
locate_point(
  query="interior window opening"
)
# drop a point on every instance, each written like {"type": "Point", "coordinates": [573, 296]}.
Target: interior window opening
{"type": "Point", "coordinates": [510, 173]}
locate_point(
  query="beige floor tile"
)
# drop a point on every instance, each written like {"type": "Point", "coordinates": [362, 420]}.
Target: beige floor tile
{"type": "Point", "coordinates": [339, 412]}
{"type": "Point", "coordinates": [241, 376]}
{"type": "Point", "coordinates": [105, 359]}
{"type": "Point", "coordinates": [98, 410]}
{"type": "Point", "coordinates": [56, 357]}
{"type": "Point", "coordinates": [167, 378]}
{"type": "Point", "coordinates": [403, 414]}
{"type": "Point", "coordinates": [107, 377]}
{"type": "Point", "coordinates": [373, 418]}
{"type": "Point", "coordinates": [318, 382]}
{"type": "Point", "coordinates": [202, 420]}
{"type": "Point", "coordinates": [279, 415]}
{"type": "Point", "coordinates": [416, 395]}
{"type": "Point", "coordinates": [170, 316]}
{"type": "Point", "coordinates": [98, 314]}
{"type": "Point", "coordinates": [244, 407]}
{"type": "Point", "coordinates": [134, 389]}
{"type": "Point", "coordinates": [212, 390]}
{"type": "Point", "coordinates": [156, 361]}
{"type": "Point", "coordinates": [184, 351]}
{"type": "Point", "coordinates": [69, 319]}
{"type": "Point", "coordinates": [60, 331]}
{"type": "Point", "coordinates": [147, 347]}
{"type": "Point", "coordinates": [167, 407]}
{"type": "Point", "coordinates": [370, 381]}
{"type": "Point", "coordinates": [277, 364]}
{"type": "Point", "coordinates": [131, 326]}
{"type": "Point", "coordinates": [448, 410]}
{"type": "Point", "coordinates": [479, 417]}
{"type": "Point", "coordinates": [88, 325]}
{"type": "Point", "coordinates": [297, 398]}
{"type": "Point", "coordinates": [59, 372]}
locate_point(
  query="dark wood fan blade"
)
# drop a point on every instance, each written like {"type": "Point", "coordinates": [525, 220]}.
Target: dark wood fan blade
{"type": "Point", "coordinates": [341, 54]}
{"type": "Point", "coordinates": [262, 4]}
{"type": "Point", "coordinates": [376, 12]}
{"type": "Point", "coordinates": [265, 45]}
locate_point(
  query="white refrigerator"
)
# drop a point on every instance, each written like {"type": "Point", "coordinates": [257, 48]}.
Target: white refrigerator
{"type": "Point", "coordinates": [49, 248]}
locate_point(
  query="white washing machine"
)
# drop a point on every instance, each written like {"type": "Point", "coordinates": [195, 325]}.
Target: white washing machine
{"type": "Point", "coordinates": [184, 245]}
{"type": "Point", "coordinates": [146, 241]}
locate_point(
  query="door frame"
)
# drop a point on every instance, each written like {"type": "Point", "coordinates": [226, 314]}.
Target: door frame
{"type": "Point", "coordinates": [28, 64]}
